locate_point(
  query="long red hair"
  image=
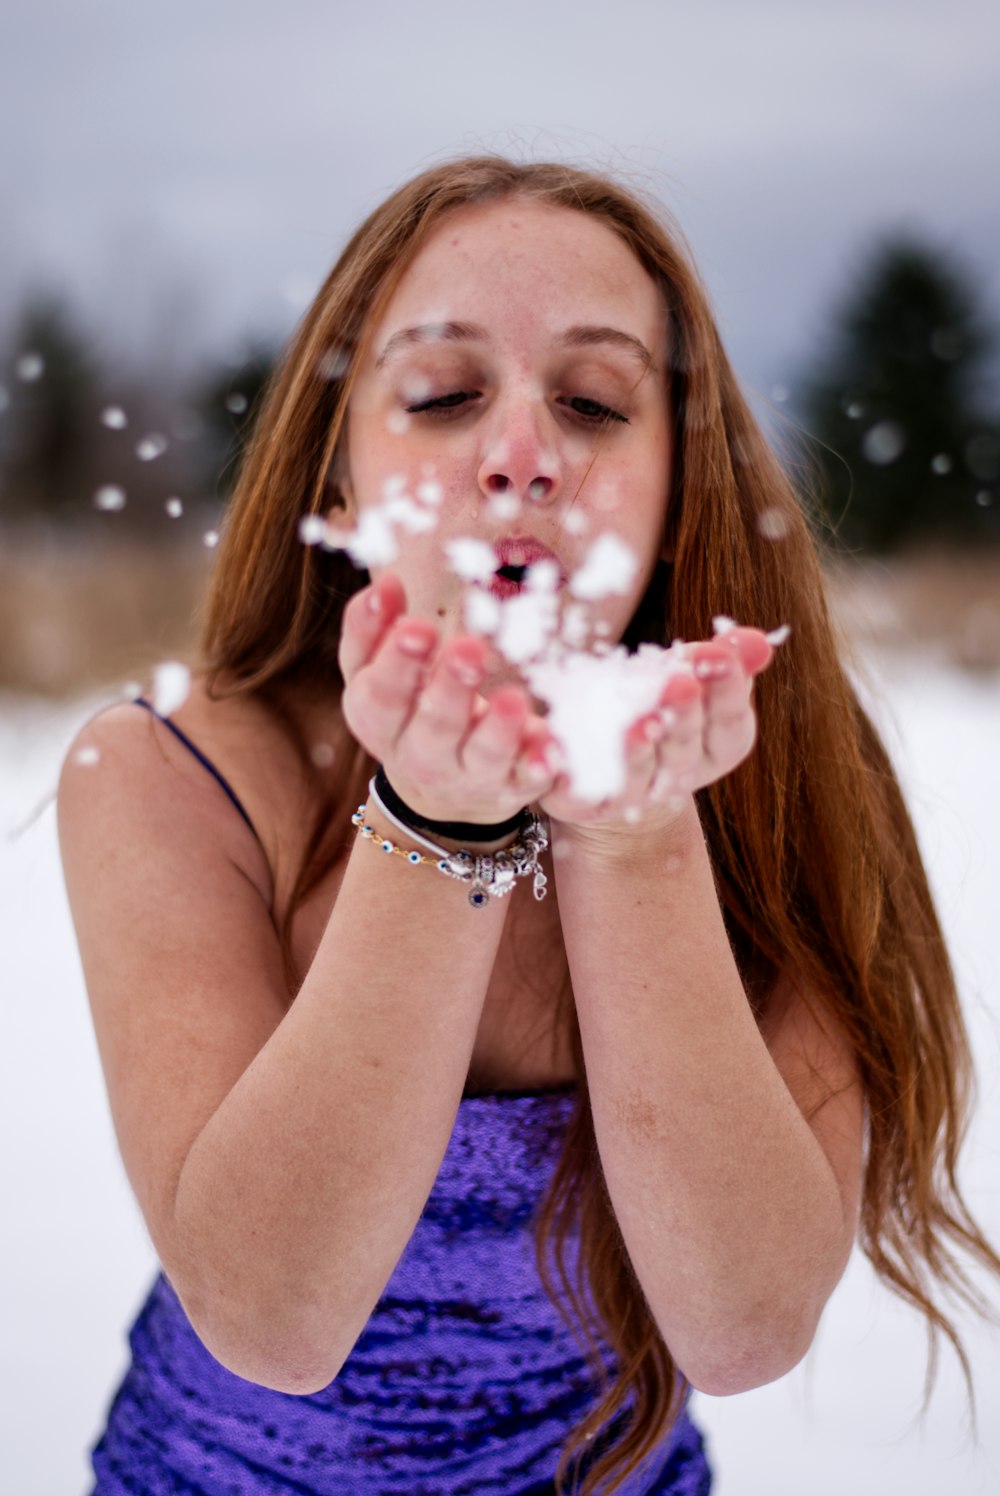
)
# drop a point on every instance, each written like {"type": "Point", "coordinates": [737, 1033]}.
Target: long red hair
{"type": "Point", "coordinates": [815, 858]}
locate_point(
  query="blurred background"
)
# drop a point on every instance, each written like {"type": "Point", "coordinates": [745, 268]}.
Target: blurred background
{"type": "Point", "coordinates": [176, 183]}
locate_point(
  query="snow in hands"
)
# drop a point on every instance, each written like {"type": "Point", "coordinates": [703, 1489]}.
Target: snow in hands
{"type": "Point", "coordinates": [521, 597]}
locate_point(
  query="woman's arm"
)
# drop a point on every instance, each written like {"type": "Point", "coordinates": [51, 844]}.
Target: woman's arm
{"type": "Point", "coordinates": [281, 1158]}
{"type": "Point", "coordinates": [738, 1215]}
{"type": "Point", "coordinates": [732, 1152]}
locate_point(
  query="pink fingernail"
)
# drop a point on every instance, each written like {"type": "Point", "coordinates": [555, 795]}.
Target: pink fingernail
{"type": "Point", "coordinates": [465, 671]}
{"type": "Point", "coordinates": [713, 669]}
{"type": "Point", "coordinates": [374, 603]}
{"type": "Point", "coordinates": [414, 644]}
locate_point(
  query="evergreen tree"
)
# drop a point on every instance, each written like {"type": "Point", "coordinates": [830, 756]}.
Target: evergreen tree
{"type": "Point", "coordinates": [910, 431]}
{"type": "Point", "coordinates": [49, 425]}
{"type": "Point", "coordinates": [228, 404]}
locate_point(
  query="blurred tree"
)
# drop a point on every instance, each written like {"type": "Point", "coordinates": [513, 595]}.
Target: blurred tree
{"type": "Point", "coordinates": [53, 392]}
{"type": "Point", "coordinates": [80, 452]}
{"type": "Point", "coordinates": [228, 404]}
{"type": "Point", "coordinates": [901, 404]}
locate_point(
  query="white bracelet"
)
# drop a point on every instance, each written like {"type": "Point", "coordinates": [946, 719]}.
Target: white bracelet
{"type": "Point", "coordinates": [373, 794]}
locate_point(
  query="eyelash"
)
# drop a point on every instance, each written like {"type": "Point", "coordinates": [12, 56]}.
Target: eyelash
{"type": "Point", "coordinates": [444, 406]}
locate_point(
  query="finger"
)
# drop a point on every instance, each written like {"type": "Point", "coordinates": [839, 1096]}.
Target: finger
{"type": "Point", "coordinates": [444, 708]}
{"type": "Point", "coordinates": [491, 746]}
{"type": "Point", "coordinates": [642, 762]}
{"type": "Point", "coordinates": [679, 752]}
{"type": "Point", "coordinates": [380, 698]}
{"type": "Point", "coordinates": [539, 763]}
{"type": "Point", "coordinates": [725, 682]}
{"type": "Point", "coordinates": [752, 647]}
{"type": "Point", "coordinates": [368, 616]}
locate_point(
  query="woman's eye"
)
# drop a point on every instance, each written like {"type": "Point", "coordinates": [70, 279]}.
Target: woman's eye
{"type": "Point", "coordinates": [441, 404]}
{"type": "Point", "coordinates": [593, 411]}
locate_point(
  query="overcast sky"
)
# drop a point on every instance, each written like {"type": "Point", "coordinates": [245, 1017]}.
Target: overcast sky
{"type": "Point", "coordinates": [188, 172]}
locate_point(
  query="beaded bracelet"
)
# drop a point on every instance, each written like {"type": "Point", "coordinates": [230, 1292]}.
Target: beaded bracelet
{"type": "Point", "coordinates": [492, 876]}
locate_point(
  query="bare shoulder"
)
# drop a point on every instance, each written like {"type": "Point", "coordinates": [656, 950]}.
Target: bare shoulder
{"type": "Point", "coordinates": [126, 751]}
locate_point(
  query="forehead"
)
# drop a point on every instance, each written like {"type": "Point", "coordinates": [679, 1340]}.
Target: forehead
{"type": "Point", "coordinates": [559, 264]}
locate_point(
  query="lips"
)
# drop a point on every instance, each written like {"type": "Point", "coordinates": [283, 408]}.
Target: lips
{"type": "Point", "coordinates": [525, 550]}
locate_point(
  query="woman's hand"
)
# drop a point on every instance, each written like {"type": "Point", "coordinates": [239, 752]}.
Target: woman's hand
{"type": "Point", "coordinates": [704, 727]}
{"type": "Point", "coordinates": [452, 754]}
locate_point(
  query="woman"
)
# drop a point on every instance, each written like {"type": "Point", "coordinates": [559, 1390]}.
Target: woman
{"type": "Point", "coordinates": [720, 1041]}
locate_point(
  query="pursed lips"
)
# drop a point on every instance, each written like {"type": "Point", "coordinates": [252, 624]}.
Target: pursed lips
{"type": "Point", "coordinates": [518, 552]}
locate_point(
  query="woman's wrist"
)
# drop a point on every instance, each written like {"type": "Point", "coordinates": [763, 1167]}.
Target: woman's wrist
{"type": "Point", "coordinates": [672, 830]}
{"type": "Point", "coordinates": [395, 834]}
{"type": "Point", "coordinates": [442, 827]}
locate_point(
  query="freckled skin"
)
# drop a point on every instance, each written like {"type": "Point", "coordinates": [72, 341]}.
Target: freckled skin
{"type": "Point", "coordinates": [639, 1118]}
{"type": "Point", "coordinates": [525, 278]}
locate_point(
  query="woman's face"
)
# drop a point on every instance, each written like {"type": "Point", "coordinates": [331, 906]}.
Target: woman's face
{"type": "Point", "coordinates": [513, 333]}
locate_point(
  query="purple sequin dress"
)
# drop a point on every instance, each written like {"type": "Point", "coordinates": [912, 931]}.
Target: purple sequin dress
{"type": "Point", "coordinates": [464, 1380]}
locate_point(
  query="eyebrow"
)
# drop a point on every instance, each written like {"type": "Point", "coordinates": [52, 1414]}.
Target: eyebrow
{"type": "Point", "coordinates": [588, 337]}
{"type": "Point", "coordinates": [583, 336]}
{"type": "Point", "coordinates": [432, 332]}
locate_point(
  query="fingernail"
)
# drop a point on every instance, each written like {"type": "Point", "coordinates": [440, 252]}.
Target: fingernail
{"type": "Point", "coordinates": [465, 671]}
{"type": "Point", "coordinates": [712, 669]}
{"type": "Point", "coordinates": [417, 645]}
{"type": "Point", "coordinates": [374, 603]}
{"type": "Point", "coordinates": [653, 729]}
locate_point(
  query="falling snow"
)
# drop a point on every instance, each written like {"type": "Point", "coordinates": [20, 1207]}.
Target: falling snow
{"type": "Point", "coordinates": [171, 686]}
{"type": "Point", "coordinates": [883, 443]}
{"type": "Point", "coordinates": [109, 497]}
{"type": "Point", "coordinates": [333, 364]}
{"type": "Point", "coordinates": [772, 524]}
{"type": "Point", "coordinates": [503, 507]}
{"type": "Point", "coordinates": [481, 611]}
{"type": "Point", "coordinates": [609, 566]}
{"type": "Point", "coordinates": [29, 367]}
{"type": "Point", "coordinates": [471, 559]}
{"type": "Point", "coordinates": [312, 529]}
{"type": "Point", "coordinates": [151, 447]}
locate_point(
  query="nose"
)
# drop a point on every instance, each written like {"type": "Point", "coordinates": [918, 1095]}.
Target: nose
{"type": "Point", "coordinates": [520, 455]}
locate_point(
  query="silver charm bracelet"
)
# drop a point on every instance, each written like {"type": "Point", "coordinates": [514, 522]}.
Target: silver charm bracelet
{"type": "Point", "coordinates": [492, 875]}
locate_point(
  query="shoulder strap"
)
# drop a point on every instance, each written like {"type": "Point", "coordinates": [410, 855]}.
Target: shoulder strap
{"type": "Point", "coordinates": [141, 701]}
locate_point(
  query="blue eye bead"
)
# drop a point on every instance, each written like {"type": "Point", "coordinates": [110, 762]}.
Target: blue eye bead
{"type": "Point", "coordinates": [413, 856]}
{"type": "Point", "coordinates": [367, 832]}
{"type": "Point", "coordinates": [443, 865]}
{"type": "Point", "coordinates": [478, 897]}
{"type": "Point", "coordinates": [387, 846]}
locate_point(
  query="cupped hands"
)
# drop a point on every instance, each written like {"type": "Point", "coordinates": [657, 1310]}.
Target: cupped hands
{"type": "Point", "coordinates": [454, 753]}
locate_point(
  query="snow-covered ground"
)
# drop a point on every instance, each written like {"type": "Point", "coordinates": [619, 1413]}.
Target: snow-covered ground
{"type": "Point", "coordinates": [77, 1262]}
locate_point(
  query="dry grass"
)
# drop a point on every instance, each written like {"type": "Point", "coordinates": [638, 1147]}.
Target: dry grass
{"type": "Point", "coordinates": [76, 616]}
{"type": "Point", "coordinates": [944, 603]}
